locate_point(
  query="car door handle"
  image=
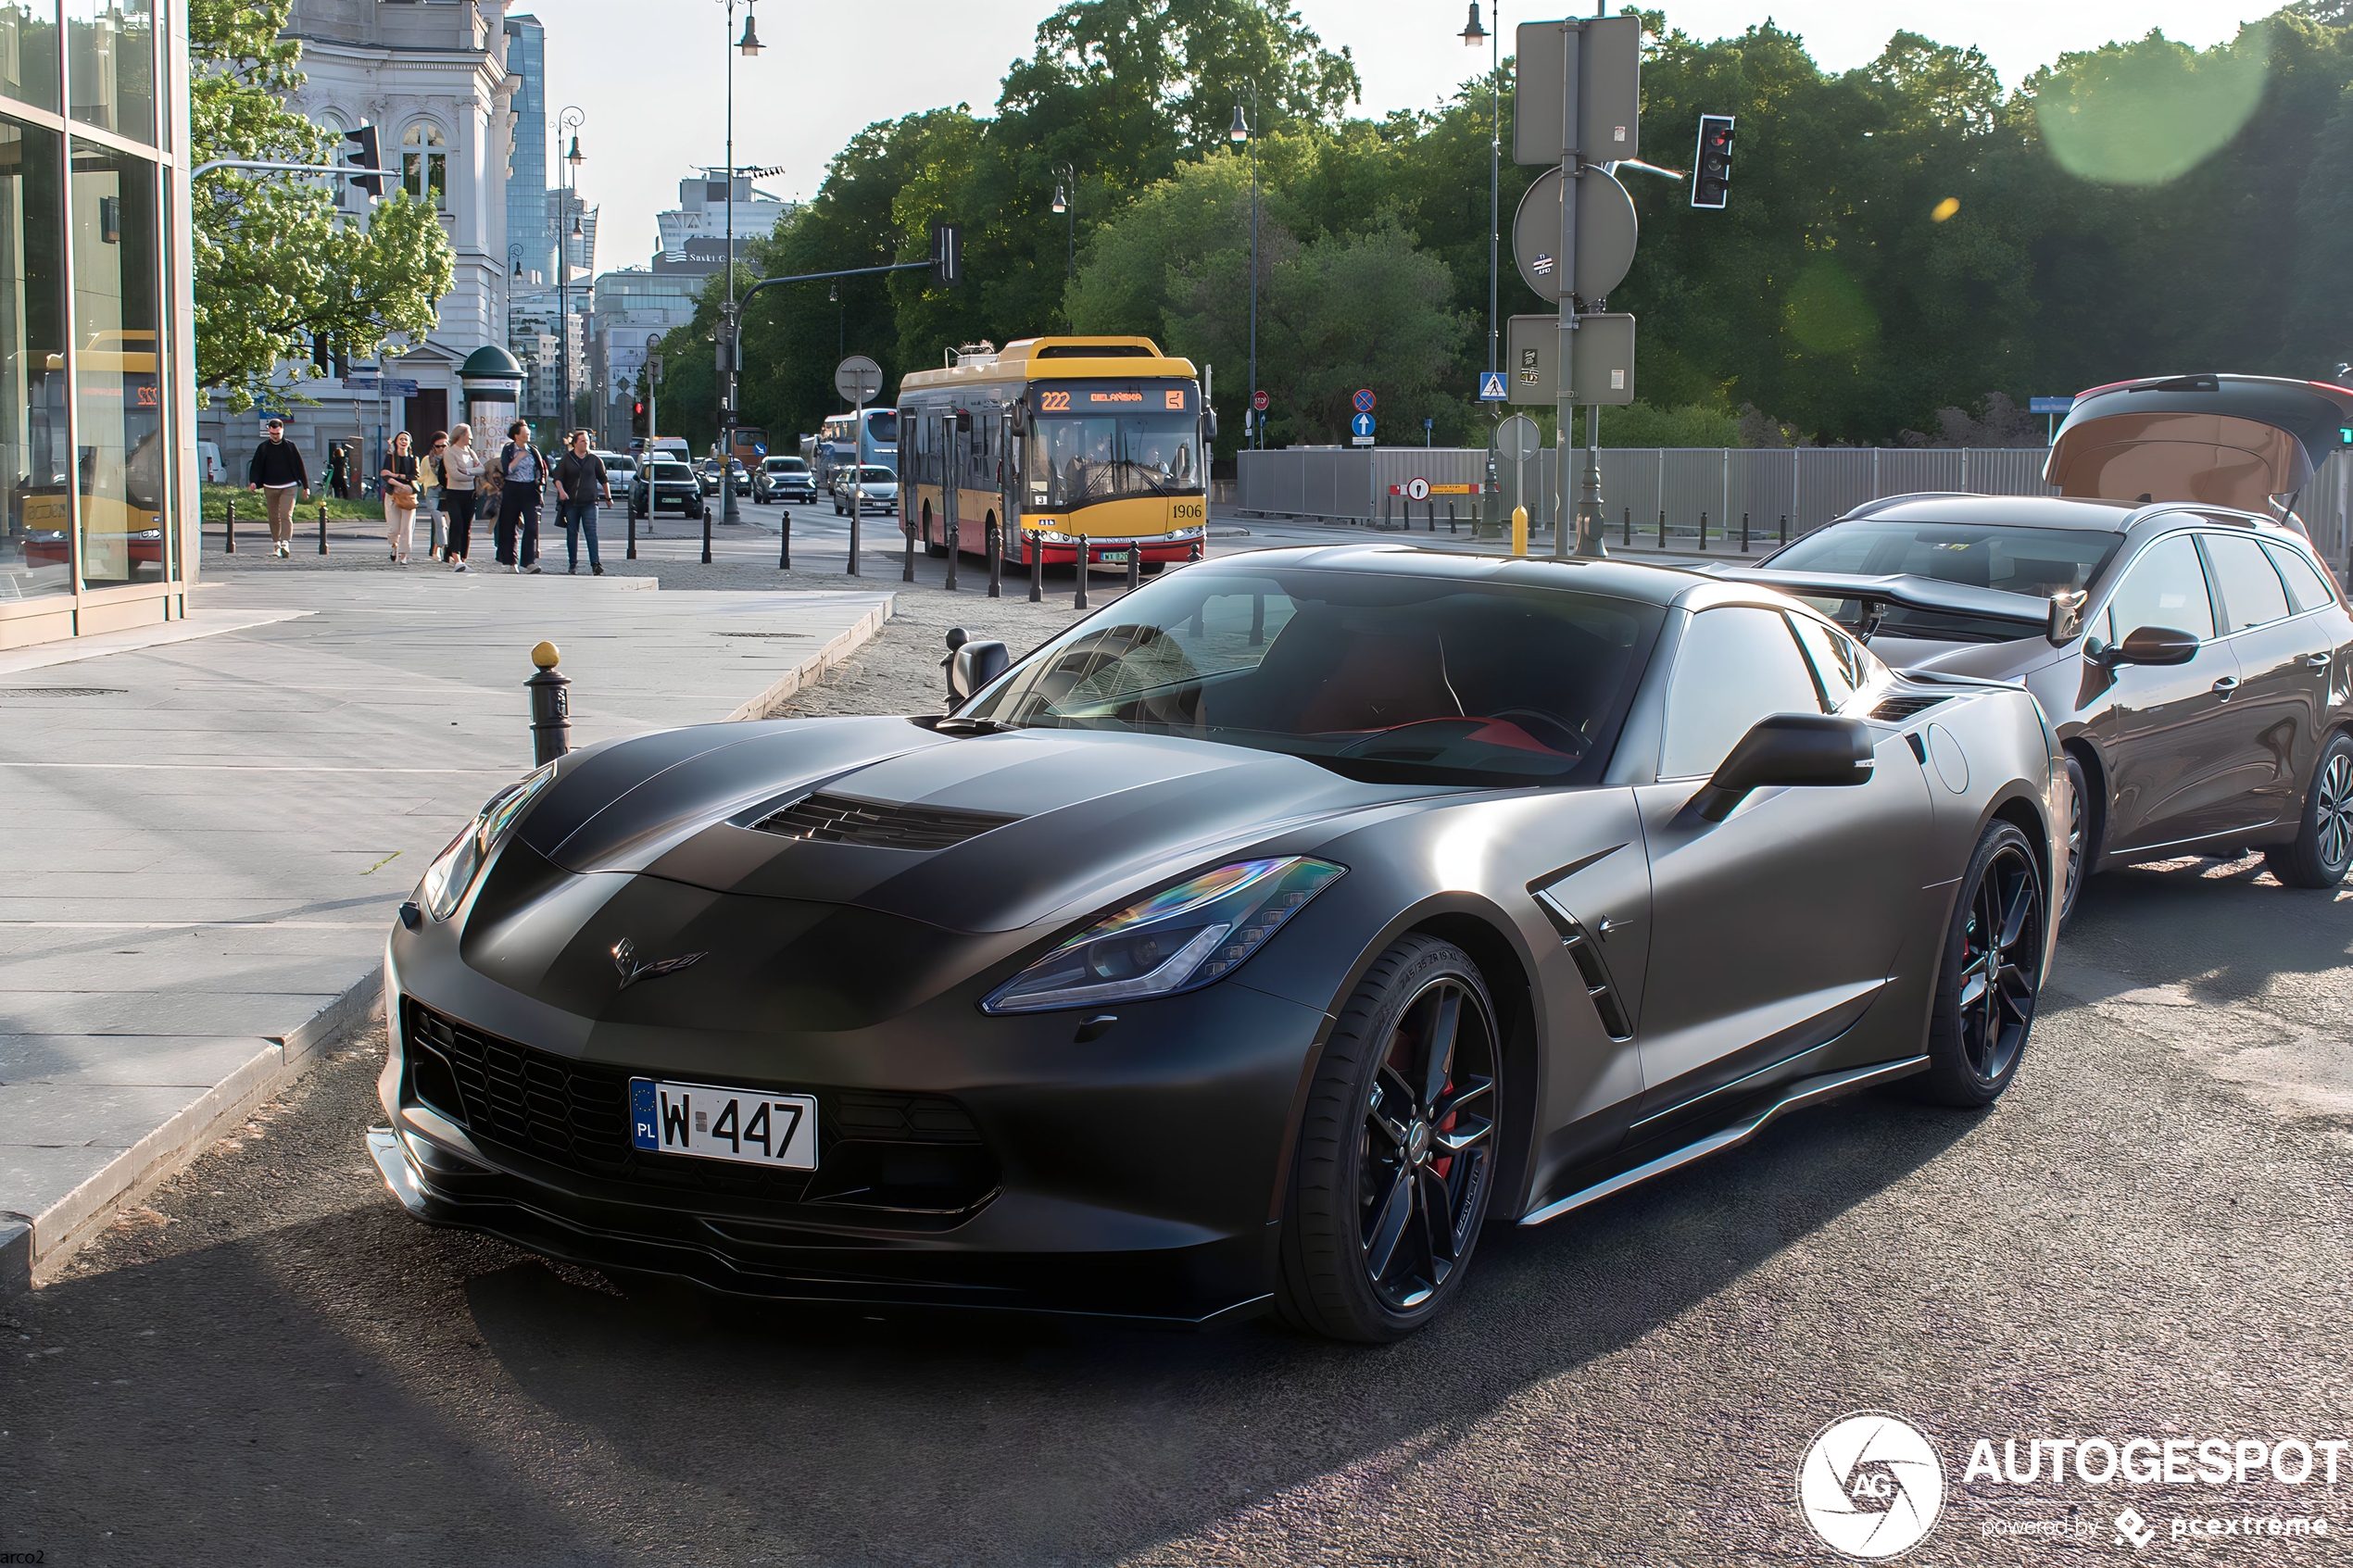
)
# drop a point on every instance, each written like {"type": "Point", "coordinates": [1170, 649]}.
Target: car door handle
{"type": "Point", "coordinates": [2317, 661]}
{"type": "Point", "coordinates": [2227, 685]}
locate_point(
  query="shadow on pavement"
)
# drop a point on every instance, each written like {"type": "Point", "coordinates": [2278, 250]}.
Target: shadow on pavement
{"type": "Point", "coordinates": [2225, 930]}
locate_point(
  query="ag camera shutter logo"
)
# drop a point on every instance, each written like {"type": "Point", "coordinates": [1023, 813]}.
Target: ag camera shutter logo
{"type": "Point", "coordinates": [1871, 1485]}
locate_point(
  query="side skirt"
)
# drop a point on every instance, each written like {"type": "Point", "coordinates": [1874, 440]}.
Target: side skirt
{"type": "Point", "coordinates": [1803, 1092]}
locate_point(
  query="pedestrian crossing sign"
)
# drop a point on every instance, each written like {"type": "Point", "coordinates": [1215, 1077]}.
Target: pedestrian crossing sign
{"type": "Point", "coordinates": [1491, 387]}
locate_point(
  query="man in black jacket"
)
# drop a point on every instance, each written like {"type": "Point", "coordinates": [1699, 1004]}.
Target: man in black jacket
{"type": "Point", "coordinates": [277, 471]}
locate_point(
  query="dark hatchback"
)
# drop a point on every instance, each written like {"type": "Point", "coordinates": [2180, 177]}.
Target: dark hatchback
{"type": "Point", "coordinates": [674, 487]}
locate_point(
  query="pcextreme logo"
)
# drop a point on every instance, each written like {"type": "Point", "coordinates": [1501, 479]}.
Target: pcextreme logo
{"type": "Point", "coordinates": [1871, 1485]}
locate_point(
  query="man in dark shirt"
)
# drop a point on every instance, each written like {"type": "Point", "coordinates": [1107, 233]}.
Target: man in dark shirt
{"type": "Point", "coordinates": [580, 480]}
{"type": "Point", "coordinates": [277, 470]}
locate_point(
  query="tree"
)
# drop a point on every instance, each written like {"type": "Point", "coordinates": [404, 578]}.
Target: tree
{"type": "Point", "coordinates": [275, 266]}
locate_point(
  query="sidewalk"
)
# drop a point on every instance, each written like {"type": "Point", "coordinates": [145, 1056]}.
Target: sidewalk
{"type": "Point", "coordinates": [211, 835]}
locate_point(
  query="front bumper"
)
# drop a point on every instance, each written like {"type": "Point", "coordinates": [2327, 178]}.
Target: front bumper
{"type": "Point", "coordinates": [1137, 1176]}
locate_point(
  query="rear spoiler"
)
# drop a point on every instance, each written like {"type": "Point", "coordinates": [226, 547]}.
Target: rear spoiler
{"type": "Point", "coordinates": [2058, 618]}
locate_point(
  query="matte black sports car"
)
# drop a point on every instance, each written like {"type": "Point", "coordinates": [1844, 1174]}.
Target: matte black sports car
{"type": "Point", "coordinates": [1251, 943]}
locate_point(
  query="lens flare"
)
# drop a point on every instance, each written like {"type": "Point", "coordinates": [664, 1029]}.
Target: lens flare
{"type": "Point", "coordinates": [1943, 210]}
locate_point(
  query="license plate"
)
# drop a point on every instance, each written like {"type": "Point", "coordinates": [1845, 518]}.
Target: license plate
{"type": "Point", "coordinates": [708, 1122]}
{"type": "Point", "coordinates": [1114, 558]}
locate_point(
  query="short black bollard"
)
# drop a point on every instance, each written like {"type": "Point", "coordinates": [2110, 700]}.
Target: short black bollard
{"type": "Point", "coordinates": [784, 543]}
{"type": "Point", "coordinates": [1450, 516]}
{"type": "Point", "coordinates": [907, 529]}
{"type": "Point", "coordinates": [1078, 565]}
{"type": "Point", "coordinates": [1037, 568]}
{"type": "Point", "coordinates": [1662, 530]}
{"type": "Point", "coordinates": [854, 512]}
{"type": "Point", "coordinates": [1197, 550]}
{"type": "Point", "coordinates": [229, 526]}
{"type": "Point", "coordinates": [322, 528]}
{"type": "Point", "coordinates": [1744, 534]}
{"type": "Point", "coordinates": [632, 509]}
{"type": "Point", "coordinates": [1135, 566]}
{"type": "Point", "coordinates": [955, 546]}
{"type": "Point", "coordinates": [1785, 528]}
{"type": "Point", "coordinates": [1702, 534]}
{"type": "Point", "coordinates": [550, 708]}
{"type": "Point", "coordinates": [995, 530]}
{"type": "Point", "coordinates": [1626, 527]}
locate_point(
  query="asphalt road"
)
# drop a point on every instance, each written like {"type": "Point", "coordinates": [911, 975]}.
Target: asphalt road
{"type": "Point", "coordinates": [269, 1363]}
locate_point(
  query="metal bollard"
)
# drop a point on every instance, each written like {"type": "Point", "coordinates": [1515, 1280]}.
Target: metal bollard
{"type": "Point", "coordinates": [1135, 566]}
{"type": "Point", "coordinates": [550, 708]}
{"type": "Point", "coordinates": [1744, 534]}
{"type": "Point", "coordinates": [1197, 550]}
{"type": "Point", "coordinates": [322, 528]}
{"type": "Point", "coordinates": [784, 545]}
{"type": "Point", "coordinates": [1662, 530]}
{"type": "Point", "coordinates": [955, 548]}
{"type": "Point", "coordinates": [1450, 516]}
{"type": "Point", "coordinates": [1702, 534]}
{"type": "Point", "coordinates": [854, 512]}
{"type": "Point", "coordinates": [994, 532]}
{"type": "Point", "coordinates": [1785, 528]}
{"type": "Point", "coordinates": [1036, 569]}
{"type": "Point", "coordinates": [1626, 528]}
{"type": "Point", "coordinates": [1519, 531]}
{"type": "Point", "coordinates": [631, 508]}
{"type": "Point", "coordinates": [229, 526]}
{"type": "Point", "coordinates": [1078, 597]}
{"type": "Point", "coordinates": [906, 528]}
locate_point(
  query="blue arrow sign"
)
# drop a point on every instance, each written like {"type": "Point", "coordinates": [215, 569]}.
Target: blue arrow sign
{"type": "Point", "coordinates": [1491, 387]}
{"type": "Point", "coordinates": [1360, 426]}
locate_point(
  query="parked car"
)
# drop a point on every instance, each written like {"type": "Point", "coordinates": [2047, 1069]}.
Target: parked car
{"type": "Point", "coordinates": [673, 485]}
{"type": "Point", "coordinates": [876, 490]}
{"type": "Point", "coordinates": [2194, 655]}
{"type": "Point", "coordinates": [620, 467]}
{"type": "Point", "coordinates": [1253, 942]}
{"type": "Point", "coordinates": [783, 480]}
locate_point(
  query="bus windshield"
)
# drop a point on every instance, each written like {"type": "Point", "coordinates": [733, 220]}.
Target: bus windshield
{"type": "Point", "coordinates": [1076, 460]}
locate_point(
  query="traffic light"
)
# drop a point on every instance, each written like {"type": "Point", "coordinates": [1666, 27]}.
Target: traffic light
{"type": "Point", "coordinates": [947, 254]}
{"type": "Point", "coordinates": [1712, 165]}
{"type": "Point", "coordinates": [637, 417]}
{"type": "Point", "coordinates": [365, 154]}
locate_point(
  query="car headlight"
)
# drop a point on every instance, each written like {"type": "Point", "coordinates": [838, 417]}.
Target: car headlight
{"type": "Point", "coordinates": [1179, 938]}
{"type": "Point", "coordinates": [454, 869]}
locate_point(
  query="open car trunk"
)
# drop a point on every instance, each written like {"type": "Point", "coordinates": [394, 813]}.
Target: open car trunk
{"type": "Point", "coordinates": [2249, 443]}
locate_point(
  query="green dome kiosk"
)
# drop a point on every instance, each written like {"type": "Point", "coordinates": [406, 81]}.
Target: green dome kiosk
{"type": "Point", "coordinates": [493, 384]}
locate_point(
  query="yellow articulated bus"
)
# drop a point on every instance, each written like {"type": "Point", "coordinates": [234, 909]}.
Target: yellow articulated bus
{"type": "Point", "coordinates": [1092, 444]}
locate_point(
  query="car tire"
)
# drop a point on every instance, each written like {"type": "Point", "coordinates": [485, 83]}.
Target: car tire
{"type": "Point", "coordinates": [1390, 1185]}
{"type": "Point", "coordinates": [1991, 975]}
{"type": "Point", "coordinates": [2082, 833]}
{"type": "Point", "coordinates": [2323, 846]}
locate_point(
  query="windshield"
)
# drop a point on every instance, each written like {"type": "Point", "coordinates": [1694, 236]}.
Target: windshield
{"type": "Point", "coordinates": [1074, 460]}
{"type": "Point", "coordinates": [876, 476]}
{"type": "Point", "coordinates": [1391, 679]}
{"type": "Point", "coordinates": [671, 472]}
{"type": "Point", "coordinates": [786, 465]}
{"type": "Point", "coordinates": [882, 427]}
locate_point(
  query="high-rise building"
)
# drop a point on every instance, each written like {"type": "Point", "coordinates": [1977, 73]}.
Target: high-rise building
{"type": "Point", "coordinates": [632, 307]}
{"type": "Point", "coordinates": [530, 220]}
{"type": "Point", "coordinates": [700, 216]}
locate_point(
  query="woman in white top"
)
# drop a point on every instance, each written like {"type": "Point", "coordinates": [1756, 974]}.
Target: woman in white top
{"type": "Point", "coordinates": [460, 468]}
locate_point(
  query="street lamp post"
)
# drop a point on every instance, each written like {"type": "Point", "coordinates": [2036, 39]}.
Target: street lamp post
{"type": "Point", "coordinates": [1473, 34]}
{"type": "Point", "coordinates": [568, 123]}
{"type": "Point", "coordinates": [1243, 131]}
{"type": "Point", "coordinates": [731, 353]}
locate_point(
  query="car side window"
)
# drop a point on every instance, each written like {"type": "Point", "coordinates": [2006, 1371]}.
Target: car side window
{"type": "Point", "coordinates": [2166, 587]}
{"type": "Point", "coordinates": [1841, 665]}
{"type": "Point", "coordinates": [2249, 589]}
{"type": "Point", "coordinates": [1735, 666]}
{"type": "Point", "coordinates": [2306, 586]}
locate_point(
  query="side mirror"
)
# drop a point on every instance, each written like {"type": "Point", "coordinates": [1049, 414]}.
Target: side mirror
{"type": "Point", "coordinates": [1789, 749]}
{"type": "Point", "coordinates": [972, 666]}
{"type": "Point", "coordinates": [1209, 423]}
{"type": "Point", "coordinates": [2065, 622]}
{"type": "Point", "coordinates": [2155, 645]}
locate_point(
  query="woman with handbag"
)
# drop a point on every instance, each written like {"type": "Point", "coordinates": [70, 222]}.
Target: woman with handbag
{"type": "Point", "coordinates": [522, 470]}
{"type": "Point", "coordinates": [462, 472]}
{"type": "Point", "coordinates": [399, 477]}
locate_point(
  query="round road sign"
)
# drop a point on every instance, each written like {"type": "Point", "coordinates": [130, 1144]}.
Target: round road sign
{"type": "Point", "coordinates": [1605, 235]}
{"type": "Point", "coordinates": [1417, 489]}
{"type": "Point", "coordinates": [858, 379]}
{"type": "Point", "coordinates": [1518, 439]}
{"type": "Point", "coordinates": [1259, 400]}
{"type": "Point", "coordinates": [1365, 400]}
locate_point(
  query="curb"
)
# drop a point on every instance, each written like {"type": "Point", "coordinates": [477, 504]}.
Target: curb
{"type": "Point", "coordinates": [33, 1248]}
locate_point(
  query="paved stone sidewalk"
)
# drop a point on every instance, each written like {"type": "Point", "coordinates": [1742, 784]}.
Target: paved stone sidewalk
{"type": "Point", "coordinates": [208, 836]}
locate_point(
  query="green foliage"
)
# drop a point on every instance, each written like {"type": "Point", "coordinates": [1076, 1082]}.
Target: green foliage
{"type": "Point", "coordinates": [274, 264]}
{"type": "Point", "coordinates": [1644, 424]}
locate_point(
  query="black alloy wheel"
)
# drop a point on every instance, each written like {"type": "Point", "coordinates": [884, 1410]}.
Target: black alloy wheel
{"type": "Point", "coordinates": [2082, 814]}
{"type": "Point", "coordinates": [2323, 846]}
{"type": "Point", "coordinates": [1992, 974]}
{"type": "Point", "coordinates": [1397, 1154]}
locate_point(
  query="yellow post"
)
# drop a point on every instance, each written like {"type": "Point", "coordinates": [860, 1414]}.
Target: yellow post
{"type": "Point", "coordinates": [1519, 531]}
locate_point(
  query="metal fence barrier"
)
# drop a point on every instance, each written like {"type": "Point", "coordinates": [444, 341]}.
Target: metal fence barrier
{"type": "Point", "coordinates": [1691, 497]}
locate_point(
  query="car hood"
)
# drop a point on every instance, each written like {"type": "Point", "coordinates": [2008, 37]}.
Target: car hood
{"type": "Point", "coordinates": [1007, 829]}
{"type": "Point", "coordinates": [2228, 441]}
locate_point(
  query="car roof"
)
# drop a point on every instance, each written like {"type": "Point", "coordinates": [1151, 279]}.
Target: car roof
{"type": "Point", "coordinates": [1638, 581]}
{"type": "Point", "coordinates": [2013, 511]}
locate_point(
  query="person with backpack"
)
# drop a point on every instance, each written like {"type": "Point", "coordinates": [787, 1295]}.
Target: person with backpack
{"type": "Point", "coordinates": [521, 471]}
{"type": "Point", "coordinates": [580, 480]}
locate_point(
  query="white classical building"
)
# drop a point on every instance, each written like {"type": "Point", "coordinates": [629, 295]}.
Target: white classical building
{"type": "Point", "coordinates": [432, 76]}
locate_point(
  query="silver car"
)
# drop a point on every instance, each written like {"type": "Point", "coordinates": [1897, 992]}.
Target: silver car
{"type": "Point", "coordinates": [876, 490]}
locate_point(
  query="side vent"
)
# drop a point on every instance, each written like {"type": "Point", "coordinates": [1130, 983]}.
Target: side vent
{"type": "Point", "coordinates": [1903, 705]}
{"type": "Point", "coordinates": [837, 819]}
{"type": "Point", "coordinates": [1586, 955]}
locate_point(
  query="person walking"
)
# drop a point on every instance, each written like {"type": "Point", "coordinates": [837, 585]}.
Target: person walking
{"type": "Point", "coordinates": [580, 480]}
{"type": "Point", "coordinates": [429, 480]}
{"type": "Point", "coordinates": [399, 481]}
{"type": "Point", "coordinates": [523, 469]}
{"type": "Point", "coordinates": [338, 470]}
{"type": "Point", "coordinates": [460, 471]}
{"type": "Point", "coordinates": [277, 470]}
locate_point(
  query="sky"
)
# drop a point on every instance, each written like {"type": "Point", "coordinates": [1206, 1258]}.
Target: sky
{"type": "Point", "coordinates": [650, 74]}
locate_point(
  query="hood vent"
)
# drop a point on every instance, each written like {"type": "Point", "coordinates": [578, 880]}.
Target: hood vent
{"type": "Point", "coordinates": [1903, 705]}
{"type": "Point", "coordinates": [837, 819]}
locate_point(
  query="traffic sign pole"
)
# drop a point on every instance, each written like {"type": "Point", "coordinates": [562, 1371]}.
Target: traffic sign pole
{"type": "Point", "coordinates": [1566, 411]}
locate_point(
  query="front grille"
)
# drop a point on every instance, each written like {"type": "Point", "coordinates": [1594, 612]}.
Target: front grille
{"type": "Point", "coordinates": [875, 1148]}
{"type": "Point", "coordinates": [1903, 705]}
{"type": "Point", "coordinates": [836, 819]}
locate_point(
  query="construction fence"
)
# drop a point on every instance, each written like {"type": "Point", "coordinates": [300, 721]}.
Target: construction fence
{"type": "Point", "coordinates": [1706, 498]}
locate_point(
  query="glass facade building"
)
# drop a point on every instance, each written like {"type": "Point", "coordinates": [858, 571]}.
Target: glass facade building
{"type": "Point", "coordinates": [97, 477]}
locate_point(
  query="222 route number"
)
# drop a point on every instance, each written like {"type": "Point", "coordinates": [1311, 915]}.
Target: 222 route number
{"type": "Point", "coordinates": [1053, 402]}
